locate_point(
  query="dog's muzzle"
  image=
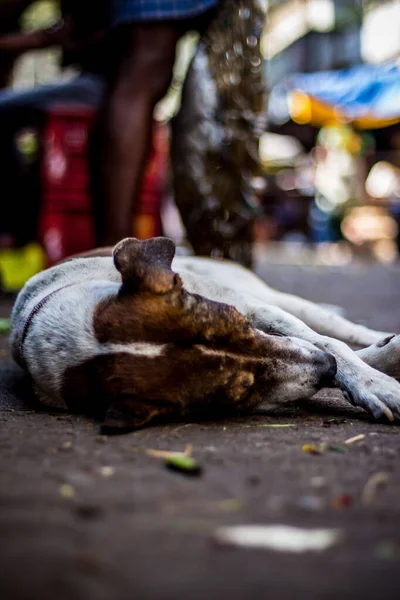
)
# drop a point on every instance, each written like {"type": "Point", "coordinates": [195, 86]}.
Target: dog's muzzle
{"type": "Point", "coordinates": [329, 370]}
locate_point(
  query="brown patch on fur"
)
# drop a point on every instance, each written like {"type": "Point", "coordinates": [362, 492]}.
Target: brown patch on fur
{"type": "Point", "coordinates": [152, 305]}
{"type": "Point", "coordinates": [132, 390]}
{"type": "Point", "coordinates": [177, 317]}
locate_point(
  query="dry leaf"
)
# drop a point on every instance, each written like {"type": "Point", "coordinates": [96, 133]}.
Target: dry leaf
{"type": "Point", "coordinates": [166, 454]}
{"type": "Point", "coordinates": [356, 438]}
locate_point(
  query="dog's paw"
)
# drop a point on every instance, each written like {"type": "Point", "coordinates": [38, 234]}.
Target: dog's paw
{"type": "Point", "coordinates": [384, 355]}
{"type": "Point", "coordinates": [376, 392]}
{"type": "Point", "coordinates": [387, 356]}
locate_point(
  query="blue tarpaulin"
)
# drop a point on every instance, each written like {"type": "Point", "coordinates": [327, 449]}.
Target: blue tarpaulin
{"type": "Point", "coordinates": [368, 95]}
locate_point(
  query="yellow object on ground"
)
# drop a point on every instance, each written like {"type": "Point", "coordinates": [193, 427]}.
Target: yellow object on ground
{"type": "Point", "coordinates": [17, 265]}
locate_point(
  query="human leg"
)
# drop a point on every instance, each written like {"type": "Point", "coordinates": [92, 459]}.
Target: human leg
{"type": "Point", "coordinates": [120, 153]}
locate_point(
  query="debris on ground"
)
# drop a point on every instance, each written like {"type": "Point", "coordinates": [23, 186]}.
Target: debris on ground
{"type": "Point", "coordinates": [272, 425]}
{"type": "Point", "coordinates": [342, 501]}
{"type": "Point", "coordinates": [66, 490]}
{"type": "Point", "coordinates": [178, 461]}
{"type": "Point", "coordinates": [338, 448]}
{"type": "Point", "coordinates": [5, 325]}
{"type": "Point", "coordinates": [388, 549]}
{"type": "Point", "coordinates": [107, 471]}
{"type": "Point", "coordinates": [165, 454]}
{"type": "Point", "coordinates": [231, 505]}
{"type": "Point", "coordinates": [277, 425]}
{"type": "Point", "coordinates": [282, 538]}
{"type": "Point", "coordinates": [186, 464]}
{"type": "Point", "coordinates": [374, 484]}
{"type": "Point", "coordinates": [318, 482]}
{"type": "Point", "coordinates": [325, 446]}
{"type": "Point", "coordinates": [311, 449]}
{"type": "Point", "coordinates": [66, 445]}
{"type": "Point", "coordinates": [356, 438]}
{"type": "Point", "coordinates": [333, 421]}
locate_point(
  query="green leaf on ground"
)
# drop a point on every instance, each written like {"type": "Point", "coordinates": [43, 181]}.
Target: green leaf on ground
{"type": "Point", "coordinates": [5, 325]}
{"type": "Point", "coordinates": [185, 464]}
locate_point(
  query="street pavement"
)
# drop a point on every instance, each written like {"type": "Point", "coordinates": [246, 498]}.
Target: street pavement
{"type": "Point", "coordinates": [83, 516]}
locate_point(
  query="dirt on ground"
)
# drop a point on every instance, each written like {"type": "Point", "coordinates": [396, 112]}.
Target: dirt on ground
{"type": "Point", "coordinates": [83, 516]}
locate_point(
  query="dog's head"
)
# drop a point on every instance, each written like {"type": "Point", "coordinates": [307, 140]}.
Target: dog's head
{"type": "Point", "coordinates": [171, 353]}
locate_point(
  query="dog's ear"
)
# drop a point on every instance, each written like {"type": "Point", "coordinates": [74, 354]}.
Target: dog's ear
{"type": "Point", "coordinates": [126, 414]}
{"type": "Point", "coordinates": [146, 265]}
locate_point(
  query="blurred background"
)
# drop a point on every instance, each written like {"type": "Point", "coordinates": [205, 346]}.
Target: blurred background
{"type": "Point", "coordinates": [329, 188]}
{"type": "Point", "coordinates": [331, 154]}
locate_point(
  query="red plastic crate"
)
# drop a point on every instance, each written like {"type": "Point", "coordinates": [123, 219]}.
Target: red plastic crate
{"type": "Point", "coordinates": [64, 165]}
{"type": "Point", "coordinates": [66, 224]}
{"type": "Point", "coordinates": [64, 234]}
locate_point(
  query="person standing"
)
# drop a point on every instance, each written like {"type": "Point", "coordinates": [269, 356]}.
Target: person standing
{"type": "Point", "coordinates": [143, 44]}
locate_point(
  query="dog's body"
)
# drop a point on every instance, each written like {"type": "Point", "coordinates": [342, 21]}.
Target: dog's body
{"type": "Point", "coordinates": [122, 336]}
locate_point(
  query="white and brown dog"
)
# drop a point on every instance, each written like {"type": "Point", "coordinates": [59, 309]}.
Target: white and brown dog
{"type": "Point", "coordinates": [126, 338]}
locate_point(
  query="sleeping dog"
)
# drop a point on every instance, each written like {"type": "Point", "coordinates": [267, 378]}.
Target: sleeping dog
{"type": "Point", "coordinates": [132, 334]}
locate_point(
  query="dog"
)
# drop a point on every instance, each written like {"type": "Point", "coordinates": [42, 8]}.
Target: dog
{"type": "Point", "coordinates": [134, 334]}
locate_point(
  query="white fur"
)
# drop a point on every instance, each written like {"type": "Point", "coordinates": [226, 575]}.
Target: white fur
{"type": "Point", "coordinates": [62, 336]}
{"type": "Point", "coordinates": [147, 349]}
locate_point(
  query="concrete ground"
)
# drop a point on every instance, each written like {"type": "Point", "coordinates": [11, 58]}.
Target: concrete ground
{"type": "Point", "coordinates": [72, 529]}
